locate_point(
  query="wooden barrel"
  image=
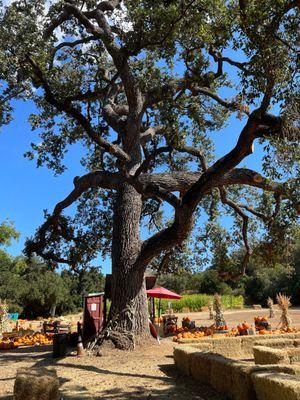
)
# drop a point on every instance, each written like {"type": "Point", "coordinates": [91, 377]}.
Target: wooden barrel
{"type": "Point", "coordinates": [59, 345]}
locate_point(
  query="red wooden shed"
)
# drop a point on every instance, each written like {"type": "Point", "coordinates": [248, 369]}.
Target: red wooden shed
{"type": "Point", "coordinates": [93, 315]}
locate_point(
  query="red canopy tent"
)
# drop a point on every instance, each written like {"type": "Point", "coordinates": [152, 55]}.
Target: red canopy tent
{"type": "Point", "coordinates": [161, 293]}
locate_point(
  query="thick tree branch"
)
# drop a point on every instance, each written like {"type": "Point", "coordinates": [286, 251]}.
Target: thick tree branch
{"type": "Point", "coordinates": [245, 219]}
{"type": "Point", "coordinates": [150, 133]}
{"type": "Point", "coordinates": [69, 109]}
{"type": "Point", "coordinates": [183, 221]}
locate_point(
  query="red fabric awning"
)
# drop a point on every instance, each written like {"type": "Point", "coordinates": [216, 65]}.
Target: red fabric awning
{"type": "Point", "coordinates": [162, 293]}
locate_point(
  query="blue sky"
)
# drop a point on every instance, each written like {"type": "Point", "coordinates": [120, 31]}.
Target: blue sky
{"type": "Point", "coordinates": [27, 190]}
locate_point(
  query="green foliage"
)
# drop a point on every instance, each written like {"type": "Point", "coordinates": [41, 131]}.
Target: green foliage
{"type": "Point", "coordinates": [194, 302]}
{"type": "Point", "coordinates": [33, 289]}
{"type": "Point", "coordinates": [7, 233]}
{"type": "Point", "coordinates": [79, 284]}
{"type": "Point", "coordinates": [211, 283]}
{"type": "Point", "coordinates": [164, 41]}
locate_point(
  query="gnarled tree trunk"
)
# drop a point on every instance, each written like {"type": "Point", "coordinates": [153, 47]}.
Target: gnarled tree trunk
{"type": "Point", "coordinates": [129, 311]}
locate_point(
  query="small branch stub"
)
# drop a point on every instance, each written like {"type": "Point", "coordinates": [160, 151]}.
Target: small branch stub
{"type": "Point", "coordinates": [258, 178]}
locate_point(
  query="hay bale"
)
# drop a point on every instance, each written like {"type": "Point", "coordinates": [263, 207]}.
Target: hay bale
{"type": "Point", "coordinates": [182, 358]}
{"type": "Point", "coordinates": [200, 366]}
{"type": "Point", "coordinates": [228, 347]}
{"type": "Point", "coordinates": [267, 355]}
{"type": "Point", "coordinates": [294, 355]}
{"type": "Point", "coordinates": [285, 368]}
{"type": "Point", "coordinates": [242, 387]}
{"type": "Point", "coordinates": [276, 343]}
{"type": "Point", "coordinates": [275, 386]}
{"type": "Point", "coordinates": [247, 345]}
{"type": "Point", "coordinates": [252, 340]}
{"type": "Point", "coordinates": [36, 384]}
{"type": "Point", "coordinates": [257, 306]}
{"type": "Point", "coordinates": [221, 373]}
{"type": "Point", "coordinates": [203, 346]}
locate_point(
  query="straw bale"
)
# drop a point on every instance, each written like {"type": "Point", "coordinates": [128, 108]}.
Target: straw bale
{"type": "Point", "coordinates": [36, 384]}
{"type": "Point", "coordinates": [275, 386]}
{"type": "Point", "coordinates": [293, 354]}
{"type": "Point", "coordinates": [228, 347]}
{"type": "Point", "coordinates": [221, 373]}
{"type": "Point", "coordinates": [242, 386]}
{"type": "Point", "coordinates": [182, 358]}
{"type": "Point", "coordinates": [276, 343]}
{"type": "Point", "coordinates": [203, 346]}
{"type": "Point", "coordinates": [267, 355]}
{"type": "Point", "coordinates": [200, 366]}
{"type": "Point", "coordinates": [247, 345]}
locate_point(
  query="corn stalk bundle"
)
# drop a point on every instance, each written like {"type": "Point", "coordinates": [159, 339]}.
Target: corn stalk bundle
{"type": "Point", "coordinates": [270, 303]}
{"type": "Point", "coordinates": [219, 317]}
{"type": "Point", "coordinates": [284, 304]}
{"type": "Point", "coordinates": [211, 309]}
{"type": "Point", "coordinates": [4, 319]}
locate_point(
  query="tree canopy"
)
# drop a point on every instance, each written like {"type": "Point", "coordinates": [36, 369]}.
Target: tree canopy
{"type": "Point", "coordinates": [143, 86]}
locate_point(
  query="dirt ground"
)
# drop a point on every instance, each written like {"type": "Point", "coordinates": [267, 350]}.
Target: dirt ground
{"type": "Point", "coordinates": [148, 373]}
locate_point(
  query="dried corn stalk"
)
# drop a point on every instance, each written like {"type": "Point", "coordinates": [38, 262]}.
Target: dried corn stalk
{"type": "Point", "coordinates": [270, 303]}
{"type": "Point", "coordinates": [4, 319]}
{"type": "Point", "coordinates": [284, 304]}
{"type": "Point", "coordinates": [219, 317]}
{"type": "Point", "coordinates": [211, 309]}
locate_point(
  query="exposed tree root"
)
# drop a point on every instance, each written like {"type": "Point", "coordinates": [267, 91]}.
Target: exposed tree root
{"type": "Point", "coordinates": [120, 338]}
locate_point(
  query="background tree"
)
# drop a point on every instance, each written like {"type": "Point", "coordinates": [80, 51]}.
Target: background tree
{"type": "Point", "coordinates": [141, 85]}
{"type": "Point", "coordinates": [7, 233]}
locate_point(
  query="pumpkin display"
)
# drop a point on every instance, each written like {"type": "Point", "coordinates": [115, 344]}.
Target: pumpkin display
{"type": "Point", "coordinates": [186, 323]}
{"type": "Point", "coordinates": [261, 323]}
{"type": "Point", "coordinates": [189, 335]}
{"type": "Point", "coordinates": [222, 328]}
{"type": "Point", "coordinates": [36, 339]}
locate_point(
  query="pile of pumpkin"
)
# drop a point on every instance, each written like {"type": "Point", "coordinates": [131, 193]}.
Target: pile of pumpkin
{"type": "Point", "coordinates": [35, 339]}
{"type": "Point", "coordinates": [277, 331]}
{"type": "Point", "coordinates": [189, 335]}
{"type": "Point", "coordinates": [222, 328]}
{"type": "Point", "coordinates": [38, 339]}
{"type": "Point", "coordinates": [185, 333]}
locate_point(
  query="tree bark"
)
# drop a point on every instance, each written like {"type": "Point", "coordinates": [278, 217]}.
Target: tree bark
{"type": "Point", "coordinates": [129, 311]}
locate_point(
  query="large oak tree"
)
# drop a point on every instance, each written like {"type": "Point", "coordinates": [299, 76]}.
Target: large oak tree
{"type": "Point", "coordinates": [143, 85]}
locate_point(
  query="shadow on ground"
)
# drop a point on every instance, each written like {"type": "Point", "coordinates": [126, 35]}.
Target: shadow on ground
{"type": "Point", "coordinates": [168, 384]}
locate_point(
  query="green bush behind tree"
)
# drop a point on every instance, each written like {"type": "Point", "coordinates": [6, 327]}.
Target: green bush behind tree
{"type": "Point", "coordinates": [34, 289]}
